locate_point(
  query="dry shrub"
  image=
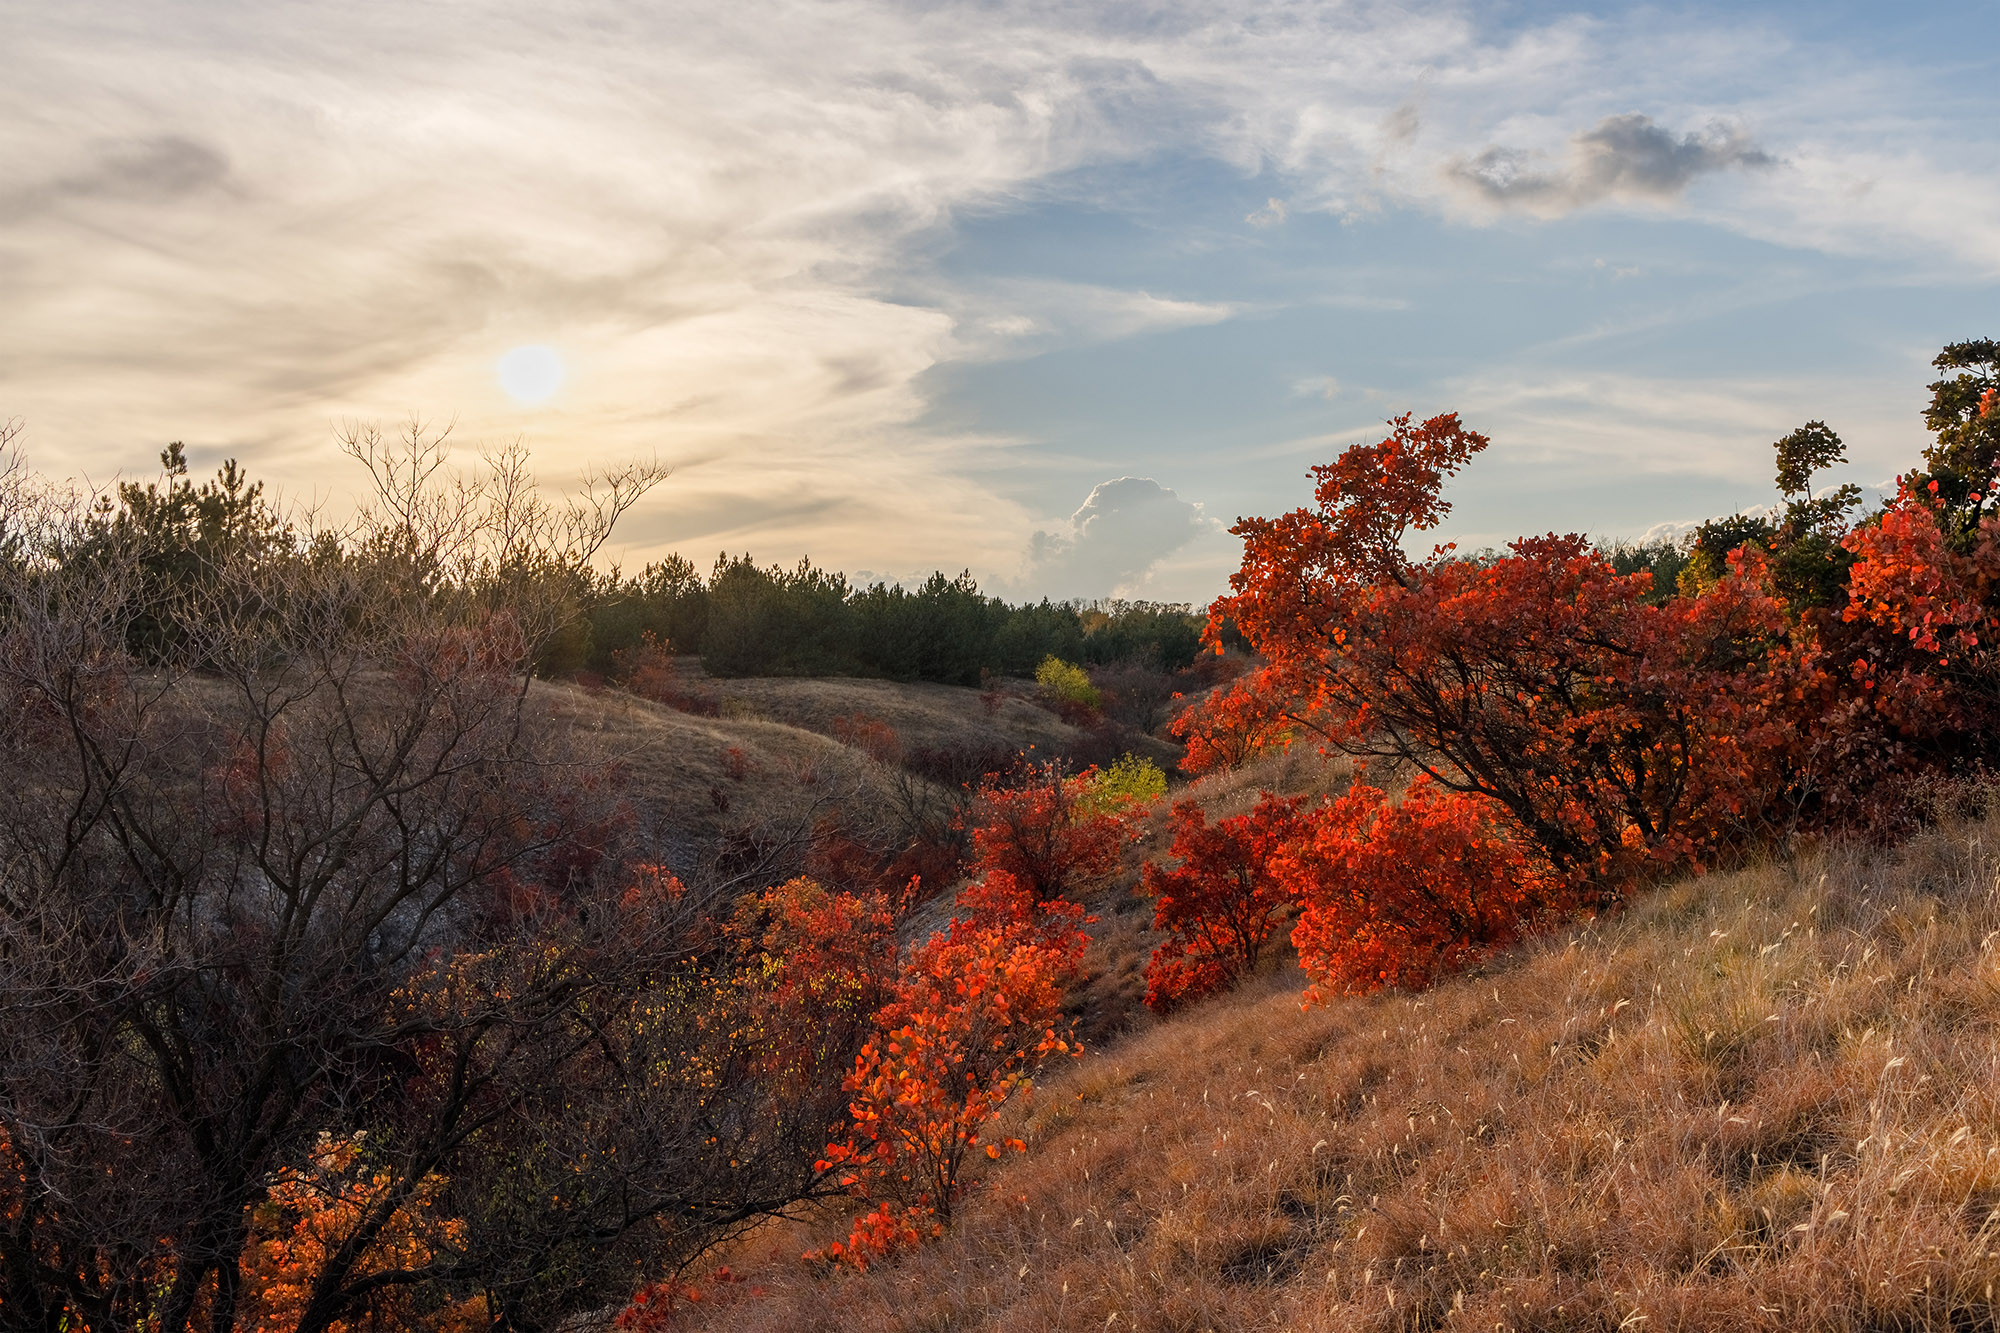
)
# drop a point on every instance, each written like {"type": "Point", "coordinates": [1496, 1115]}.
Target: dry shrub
{"type": "Point", "coordinates": [1763, 1100]}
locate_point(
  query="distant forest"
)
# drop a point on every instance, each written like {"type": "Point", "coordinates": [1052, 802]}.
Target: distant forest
{"type": "Point", "coordinates": [750, 620]}
{"type": "Point", "coordinates": [744, 619]}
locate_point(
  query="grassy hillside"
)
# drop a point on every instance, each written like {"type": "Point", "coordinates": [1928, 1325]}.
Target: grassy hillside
{"type": "Point", "coordinates": [1766, 1099]}
{"type": "Point", "coordinates": [773, 755]}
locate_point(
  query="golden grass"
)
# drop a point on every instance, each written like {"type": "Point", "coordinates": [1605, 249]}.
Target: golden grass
{"type": "Point", "coordinates": [922, 714]}
{"type": "Point", "coordinates": [704, 777]}
{"type": "Point", "coordinates": [1761, 1100]}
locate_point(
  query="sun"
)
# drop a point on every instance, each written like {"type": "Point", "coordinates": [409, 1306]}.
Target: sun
{"type": "Point", "coordinates": [531, 373]}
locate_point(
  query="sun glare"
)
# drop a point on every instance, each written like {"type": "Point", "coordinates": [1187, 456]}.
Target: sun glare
{"type": "Point", "coordinates": [531, 374]}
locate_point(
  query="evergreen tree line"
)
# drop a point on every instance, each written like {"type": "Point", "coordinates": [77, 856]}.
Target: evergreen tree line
{"type": "Point", "coordinates": [750, 620]}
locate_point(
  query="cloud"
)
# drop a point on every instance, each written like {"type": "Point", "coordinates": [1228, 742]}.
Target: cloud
{"type": "Point", "coordinates": [1622, 157]}
{"type": "Point", "coordinates": [1018, 317]}
{"type": "Point", "coordinates": [1126, 528]}
{"type": "Point", "coordinates": [161, 167]}
{"type": "Point", "coordinates": [236, 223]}
{"type": "Point", "coordinates": [1401, 125]}
{"type": "Point", "coordinates": [1272, 214]}
{"type": "Point", "coordinates": [150, 170]}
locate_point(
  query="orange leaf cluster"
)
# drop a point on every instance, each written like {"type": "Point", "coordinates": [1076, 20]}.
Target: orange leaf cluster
{"type": "Point", "coordinates": [312, 1211]}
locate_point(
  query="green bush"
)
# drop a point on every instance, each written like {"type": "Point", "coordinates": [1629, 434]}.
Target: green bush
{"type": "Point", "coordinates": [1066, 683]}
{"type": "Point", "coordinates": [1132, 780]}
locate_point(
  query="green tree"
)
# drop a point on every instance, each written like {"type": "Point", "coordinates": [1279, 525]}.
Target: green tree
{"type": "Point", "coordinates": [1959, 467]}
{"type": "Point", "coordinates": [180, 537]}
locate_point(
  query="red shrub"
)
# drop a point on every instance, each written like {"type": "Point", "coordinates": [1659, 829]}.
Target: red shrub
{"type": "Point", "coordinates": [870, 735]}
{"type": "Point", "coordinates": [1221, 903]}
{"type": "Point", "coordinates": [975, 1010]}
{"type": "Point", "coordinates": [1234, 723]}
{"type": "Point", "coordinates": [649, 671]}
{"type": "Point", "coordinates": [1046, 834]}
{"type": "Point", "coordinates": [1396, 895]}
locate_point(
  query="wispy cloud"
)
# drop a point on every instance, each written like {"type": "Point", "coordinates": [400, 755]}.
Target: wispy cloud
{"type": "Point", "coordinates": [238, 223]}
{"type": "Point", "coordinates": [1027, 317]}
{"type": "Point", "coordinates": [1272, 214]}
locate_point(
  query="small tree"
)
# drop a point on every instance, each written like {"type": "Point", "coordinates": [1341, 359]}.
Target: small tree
{"type": "Point", "coordinates": [974, 1012]}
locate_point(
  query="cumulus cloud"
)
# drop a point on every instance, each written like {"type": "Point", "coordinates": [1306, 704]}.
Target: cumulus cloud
{"type": "Point", "coordinates": [1126, 528]}
{"type": "Point", "coordinates": [1621, 157]}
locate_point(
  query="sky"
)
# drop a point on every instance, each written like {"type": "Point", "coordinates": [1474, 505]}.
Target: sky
{"type": "Point", "coordinates": [1051, 291]}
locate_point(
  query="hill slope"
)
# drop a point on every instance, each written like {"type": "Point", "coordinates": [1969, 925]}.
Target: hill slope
{"type": "Point", "coordinates": [1768, 1099]}
{"type": "Point", "coordinates": [771, 755]}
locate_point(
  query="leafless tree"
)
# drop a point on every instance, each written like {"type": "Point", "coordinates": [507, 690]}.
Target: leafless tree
{"type": "Point", "coordinates": [303, 874]}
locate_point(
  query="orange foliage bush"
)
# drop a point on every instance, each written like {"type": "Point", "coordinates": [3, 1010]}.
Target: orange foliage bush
{"type": "Point", "coordinates": [1234, 724]}
{"type": "Point", "coordinates": [652, 1307]}
{"type": "Point", "coordinates": [1221, 902]}
{"type": "Point", "coordinates": [1399, 894]}
{"type": "Point", "coordinates": [974, 1011]}
{"type": "Point", "coordinates": [1932, 665]}
{"type": "Point", "coordinates": [820, 962]}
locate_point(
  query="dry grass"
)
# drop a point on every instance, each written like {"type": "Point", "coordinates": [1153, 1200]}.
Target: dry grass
{"type": "Point", "coordinates": [1763, 1100]}
{"type": "Point", "coordinates": [923, 714]}
{"type": "Point", "coordinates": [769, 763]}
{"type": "Point", "coordinates": [706, 778]}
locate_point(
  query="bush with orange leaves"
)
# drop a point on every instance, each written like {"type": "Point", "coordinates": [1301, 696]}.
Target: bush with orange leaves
{"type": "Point", "coordinates": [1617, 734]}
{"type": "Point", "coordinates": [975, 1011]}
{"type": "Point", "coordinates": [1933, 659]}
{"type": "Point", "coordinates": [1235, 723]}
{"type": "Point", "coordinates": [1399, 894]}
{"type": "Point", "coordinates": [1221, 902]}
{"type": "Point", "coordinates": [819, 963]}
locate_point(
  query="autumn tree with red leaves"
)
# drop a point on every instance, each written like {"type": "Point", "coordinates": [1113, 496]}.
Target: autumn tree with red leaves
{"type": "Point", "coordinates": [1613, 733]}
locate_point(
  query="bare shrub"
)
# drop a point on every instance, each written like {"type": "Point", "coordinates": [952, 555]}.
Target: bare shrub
{"type": "Point", "coordinates": [320, 866]}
